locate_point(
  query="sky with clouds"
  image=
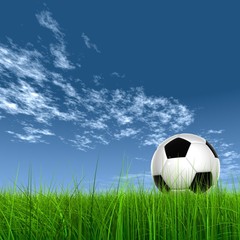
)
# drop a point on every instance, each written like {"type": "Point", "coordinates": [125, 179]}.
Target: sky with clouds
{"type": "Point", "coordinates": [84, 86]}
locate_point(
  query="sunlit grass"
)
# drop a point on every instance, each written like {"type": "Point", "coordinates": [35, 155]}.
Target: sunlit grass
{"type": "Point", "coordinates": [126, 212]}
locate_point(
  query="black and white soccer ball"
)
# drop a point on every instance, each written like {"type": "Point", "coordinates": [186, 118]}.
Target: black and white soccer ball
{"type": "Point", "coordinates": [185, 161]}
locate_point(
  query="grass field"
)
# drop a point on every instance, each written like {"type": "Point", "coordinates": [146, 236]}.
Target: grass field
{"type": "Point", "coordinates": [129, 213]}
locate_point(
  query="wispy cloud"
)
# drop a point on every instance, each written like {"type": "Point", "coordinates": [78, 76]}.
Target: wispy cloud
{"type": "Point", "coordinates": [100, 139]}
{"type": "Point", "coordinates": [46, 20]}
{"type": "Point", "coordinates": [23, 99]}
{"type": "Point", "coordinates": [127, 110]}
{"type": "Point", "coordinates": [224, 146]}
{"type": "Point", "coordinates": [87, 140]}
{"type": "Point", "coordinates": [97, 79]}
{"type": "Point", "coordinates": [118, 75]}
{"type": "Point", "coordinates": [60, 54]}
{"type": "Point", "coordinates": [89, 44]}
{"type": "Point", "coordinates": [97, 124]}
{"type": "Point", "coordinates": [58, 80]}
{"type": "Point", "coordinates": [22, 63]}
{"type": "Point", "coordinates": [231, 155]}
{"type": "Point", "coordinates": [141, 159]}
{"type": "Point", "coordinates": [32, 135]}
{"type": "Point", "coordinates": [155, 137]}
{"type": "Point", "coordinates": [81, 142]}
{"type": "Point", "coordinates": [211, 131]}
{"type": "Point", "coordinates": [113, 114]}
{"type": "Point", "coordinates": [58, 50]}
{"type": "Point", "coordinates": [45, 97]}
{"type": "Point", "coordinates": [126, 133]}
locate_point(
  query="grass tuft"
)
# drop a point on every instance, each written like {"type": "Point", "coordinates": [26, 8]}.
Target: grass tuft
{"type": "Point", "coordinates": [131, 213]}
{"type": "Point", "coordinates": [128, 212]}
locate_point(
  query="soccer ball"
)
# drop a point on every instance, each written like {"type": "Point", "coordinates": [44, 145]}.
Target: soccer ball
{"type": "Point", "coordinates": [185, 161]}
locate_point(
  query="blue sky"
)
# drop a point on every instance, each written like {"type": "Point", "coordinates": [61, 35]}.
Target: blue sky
{"type": "Point", "coordinates": [109, 81]}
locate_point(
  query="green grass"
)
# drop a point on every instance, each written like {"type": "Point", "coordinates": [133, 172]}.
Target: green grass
{"type": "Point", "coordinates": [125, 213]}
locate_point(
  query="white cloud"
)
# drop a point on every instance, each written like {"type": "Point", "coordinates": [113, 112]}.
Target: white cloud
{"type": "Point", "coordinates": [89, 44]}
{"type": "Point", "coordinates": [32, 135]}
{"type": "Point", "coordinates": [184, 116]}
{"type": "Point", "coordinates": [126, 111]}
{"type": "Point", "coordinates": [66, 87]}
{"type": "Point", "coordinates": [22, 63]}
{"type": "Point", "coordinates": [100, 139]}
{"type": "Point", "coordinates": [224, 146]}
{"type": "Point", "coordinates": [61, 61]}
{"type": "Point", "coordinates": [24, 99]}
{"type": "Point", "coordinates": [97, 79]}
{"type": "Point", "coordinates": [32, 130]}
{"type": "Point", "coordinates": [96, 116]}
{"type": "Point", "coordinates": [211, 131]}
{"type": "Point", "coordinates": [96, 124]}
{"type": "Point", "coordinates": [112, 114]}
{"type": "Point", "coordinates": [141, 159]}
{"type": "Point", "coordinates": [129, 109]}
{"type": "Point", "coordinates": [155, 137]}
{"type": "Point", "coordinates": [118, 75]}
{"type": "Point", "coordinates": [121, 116]}
{"type": "Point", "coordinates": [9, 106]}
{"type": "Point", "coordinates": [27, 138]}
{"type": "Point", "coordinates": [46, 20]}
{"type": "Point", "coordinates": [231, 155]}
{"type": "Point", "coordinates": [81, 142]}
{"type": "Point", "coordinates": [126, 133]}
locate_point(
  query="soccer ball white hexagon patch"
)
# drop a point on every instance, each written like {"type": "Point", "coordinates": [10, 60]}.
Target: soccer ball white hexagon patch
{"type": "Point", "coordinates": [185, 161]}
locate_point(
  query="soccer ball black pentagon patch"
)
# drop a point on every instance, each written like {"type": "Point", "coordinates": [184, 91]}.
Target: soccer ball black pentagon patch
{"type": "Point", "coordinates": [177, 148]}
